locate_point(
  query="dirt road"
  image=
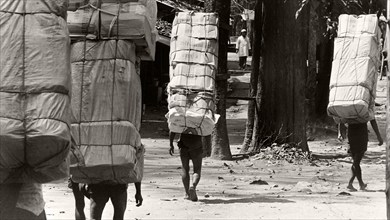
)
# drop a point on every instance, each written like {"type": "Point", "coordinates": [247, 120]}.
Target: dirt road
{"type": "Point", "coordinates": [287, 191]}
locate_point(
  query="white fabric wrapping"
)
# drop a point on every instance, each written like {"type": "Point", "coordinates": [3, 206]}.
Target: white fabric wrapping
{"type": "Point", "coordinates": [194, 77]}
{"type": "Point", "coordinates": [193, 57]}
{"type": "Point", "coordinates": [193, 63]}
{"type": "Point", "coordinates": [57, 7]}
{"type": "Point", "coordinates": [354, 69]}
{"type": "Point", "coordinates": [197, 25]}
{"type": "Point", "coordinates": [128, 21]}
{"type": "Point", "coordinates": [348, 72]}
{"type": "Point", "coordinates": [356, 47]}
{"type": "Point", "coordinates": [75, 4]}
{"type": "Point", "coordinates": [106, 111]}
{"type": "Point", "coordinates": [191, 111]}
{"type": "Point", "coordinates": [352, 25]}
{"type": "Point", "coordinates": [351, 104]}
{"type": "Point", "coordinates": [191, 43]}
{"type": "Point", "coordinates": [35, 83]}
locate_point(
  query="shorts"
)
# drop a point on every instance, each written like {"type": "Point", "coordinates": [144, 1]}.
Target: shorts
{"type": "Point", "coordinates": [190, 154]}
{"type": "Point", "coordinates": [102, 192]}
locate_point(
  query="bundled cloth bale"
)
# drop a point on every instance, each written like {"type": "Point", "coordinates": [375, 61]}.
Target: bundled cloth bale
{"type": "Point", "coordinates": [106, 112]}
{"type": "Point", "coordinates": [134, 21]}
{"type": "Point", "coordinates": [56, 7]}
{"type": "Point", "coordinates": [193, 63]}
{"type": "Point", "coordinates": [195, 25]}
{"type": "Point", "coordinates": [35, 82]}
{"type": "Point", "coordinates": [76, 4]}
{"type": "Point", "coordinates": [193, 77]}
{"type": "Point", "coordinates": [352, 26]}
{"type": "Point", "coordinates": [191, 110]}
{"type": "Point", "coordinates": [354, 70]}
{"type": "Point", "coordinates": [356, 47]}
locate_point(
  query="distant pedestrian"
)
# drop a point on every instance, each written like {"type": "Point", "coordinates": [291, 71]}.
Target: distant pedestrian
{"type": "Point", "coordinates": [358, 140]}
{"type": "Point", "coordinates": [243, 47]}
{"type": "Point", "coordinates": [190, 146]}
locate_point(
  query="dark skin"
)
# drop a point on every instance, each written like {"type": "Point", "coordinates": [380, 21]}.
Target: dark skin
{"type": "Point", "coordinates": [357, 158]}
{"type": "Point", "coordinates": [119, 209]}
{"type": "Point", "coordinates": [197, 167]}
{"type": "Point", "coordinates": [119, 202]}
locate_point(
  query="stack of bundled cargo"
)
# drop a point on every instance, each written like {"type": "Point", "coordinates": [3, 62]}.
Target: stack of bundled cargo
{"type": "Point", "coordinates": [133, 20]}
{"type": "Point", "coordinates": [106, 93]}
{"type": "Point", "coordinates": [193, 63]}
{"type": "Point", "coordinates": [34, 91]}
{"type": "Point", "coordinates": [354, 69]}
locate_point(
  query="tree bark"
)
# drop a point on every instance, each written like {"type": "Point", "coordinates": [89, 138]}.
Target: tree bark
{"type": "Point", "coordinates": [220, 139]}
{"type": "Point", "coordinates": [256, 54]}
{"type": "Point", "coordinates": [311, 81]}
{"type": "Point", "coordinates": [388, 124]}
{"type": "Point", "coordinates": [282, 112]}
{"type": "Point", "coordinates": [324, 70]}
{"type": "Point", "coordinates": [388, 146]}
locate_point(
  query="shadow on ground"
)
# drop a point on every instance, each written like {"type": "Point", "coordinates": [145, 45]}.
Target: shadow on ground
{"type": "Point", "coordinates": [258, 199]}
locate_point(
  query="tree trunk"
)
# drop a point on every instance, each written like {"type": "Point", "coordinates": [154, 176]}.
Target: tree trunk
{"type": "Point", "coordinates": [220, 139]}
{"type": "Point", "coordinates": [282, 112]}
{"type": "Point", "coordinates": [311, 81]}
{"type": "Point", "coordinates": [388, 123]}
{"type": "Point", "coordinates": [324, 70]}
{"type": "Point", "coordinates": [388, 146]}
{"type": "Point", "coordinates": [256, 54]}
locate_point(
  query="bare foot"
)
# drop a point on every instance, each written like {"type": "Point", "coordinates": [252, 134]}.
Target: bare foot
{"type": "Point", "coordinates": [351, 188]}
{"type": "Point", "coordinates": [363, 187]}
{"type": "Point", "coordinates": [192, 194]}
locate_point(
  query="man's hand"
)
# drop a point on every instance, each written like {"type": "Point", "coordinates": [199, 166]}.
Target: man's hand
{"type": "Point", "coordinates": [138, 199]}
{"type": "Point", "coordinates": [380, 141]}
{"type": "Point", "coordinates": [172, 150]}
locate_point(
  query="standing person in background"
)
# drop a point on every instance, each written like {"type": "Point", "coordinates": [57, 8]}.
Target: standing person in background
{"type": "Point", "coordinates": [358, 140]}
{"type": "Point", "coordinates": [191, 148]}
{"type": "Point", "coordinates": [243, 47]}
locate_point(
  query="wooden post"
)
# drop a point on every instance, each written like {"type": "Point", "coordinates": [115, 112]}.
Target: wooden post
{"type": "Point", "coordinates": [388, 119]}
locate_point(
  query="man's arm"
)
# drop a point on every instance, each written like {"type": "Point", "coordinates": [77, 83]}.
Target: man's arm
{"type": "Point", "coordinates": [172, 136]}
{"type": "Point", "coordinates": [138, 195]}
{"type": "Point", "coordinates": [374, 126]}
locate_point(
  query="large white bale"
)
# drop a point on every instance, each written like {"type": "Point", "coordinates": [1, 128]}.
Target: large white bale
{"type": "Point", "coordinates": [357, 47]}
{"type": "Point", "coordinates": [353, 25]}
{"type": "Point", "coordinates": [106, 111]}
{"type": "Point", "coordinates": [129, 21]}
{"type": "Point", "coordinates": [349, 72]}
{"type": "Point", "coordinates": [35, 83]}
{"type": "Point", "coordinates": [351, 104]}
{"type": "Point", "coordinates": [193, 77]}
{"type": "Point", "coordinates": [191, 110]}
{"type": "Point", "coordinates": [196, 25]}
{"type": "Point", "coordinates": [57, 7]}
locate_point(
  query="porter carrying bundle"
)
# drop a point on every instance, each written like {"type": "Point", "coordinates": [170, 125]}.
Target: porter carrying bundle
{"type": "Point", "coordinates": [106, 112]}
{"type": "Point", "coordinates": [193, 63]}
{"type": "Point", "coordinates": [354, 69]}
{"type": "Point", "coordinates": [35, 83]}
